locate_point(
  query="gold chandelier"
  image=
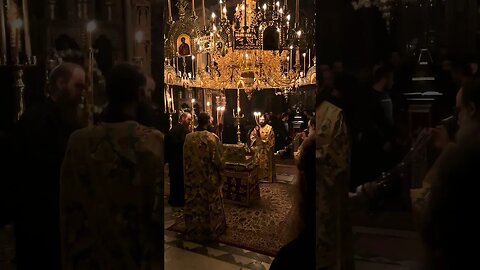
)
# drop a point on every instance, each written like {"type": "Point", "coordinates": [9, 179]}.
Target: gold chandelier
{"type": "Point", "coordinates": [258, 48]}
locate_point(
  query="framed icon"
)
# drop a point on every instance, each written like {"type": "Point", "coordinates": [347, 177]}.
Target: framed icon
{"type": "Point", "coordinates": [184, 45]}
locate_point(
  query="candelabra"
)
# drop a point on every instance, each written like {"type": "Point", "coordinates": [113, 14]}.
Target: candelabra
{"type": "Point", "coordinates": [237, 116]}
{"type": "Point", "coordinates": [260, 45]}
{"type": "Point", "coordinates": [20, 85]}
{"type": "Point", "coordinates": [194, 123]}
{"type": "Point", "coordinates": [15, 47]}
{"type": "Point", "coordinates": [169, 104]}
{"type": "Point", "coordinates": [89, 103]}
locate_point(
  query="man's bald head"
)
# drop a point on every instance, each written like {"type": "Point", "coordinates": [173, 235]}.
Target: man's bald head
{"type": "Point", "coordinates": [185, 119]}
{"type": "Point", "coordinates": [67, 83]}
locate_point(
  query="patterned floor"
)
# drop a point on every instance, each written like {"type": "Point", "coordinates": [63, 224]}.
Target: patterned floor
{"type": "Point", "coordinates": [241, 258]}
{"type": "Point", "coordinates": [375, 248]}
{"type": "Point", "coordinates": [264, 226]}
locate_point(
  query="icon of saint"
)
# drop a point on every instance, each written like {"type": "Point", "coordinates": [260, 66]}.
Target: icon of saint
{"type": "Point", "coordinates": [184, 48]}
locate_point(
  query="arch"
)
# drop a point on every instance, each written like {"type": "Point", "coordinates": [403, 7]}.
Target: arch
{"type": "Point", "coordinates": [271, 38]}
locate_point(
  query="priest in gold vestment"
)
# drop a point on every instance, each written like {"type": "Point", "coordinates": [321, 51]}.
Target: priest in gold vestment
{"type": "Point", "coordinates": [203, 162]}
{"type": "Point", "coordinates": [333, 229]}
{"type": "Point", "coordinates": [262, 140]}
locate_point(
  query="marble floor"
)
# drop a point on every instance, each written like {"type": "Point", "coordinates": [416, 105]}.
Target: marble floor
{"type": "Point", "coordinates": [375, 248]}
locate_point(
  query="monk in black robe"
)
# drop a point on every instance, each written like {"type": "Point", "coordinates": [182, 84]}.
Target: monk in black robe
{"type": "Point", "coordinates": [38, 147]}
{"type": "Point", "coordinates": [174, 157]}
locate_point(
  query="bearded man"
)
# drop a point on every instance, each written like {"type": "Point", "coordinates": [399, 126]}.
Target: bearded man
{"type": "Point", "coordinates": [262, 140]}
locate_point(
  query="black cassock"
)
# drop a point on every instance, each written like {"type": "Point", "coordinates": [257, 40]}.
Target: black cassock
{"type": "Point", "coordinates": [174, 157]}
{"type": "Point", "coordinates": [37, 149]}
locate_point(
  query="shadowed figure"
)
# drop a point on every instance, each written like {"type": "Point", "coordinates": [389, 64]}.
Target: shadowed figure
{"type": "Point", "coordinates": [39, 143]}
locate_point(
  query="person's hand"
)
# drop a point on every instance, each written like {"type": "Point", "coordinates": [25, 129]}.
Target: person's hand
{"type": "Point", "coordinates": [439, 136]}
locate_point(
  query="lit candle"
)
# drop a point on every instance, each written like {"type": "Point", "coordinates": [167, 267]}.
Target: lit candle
{"type": "Point", "coordinates": [165, 99]}
{"type": "Point", "coordinates": [304, 63]}
{"type": "Point", "coordinates": [196, 67]}
{"type": "Point", "coordinates": [238, 99]}
{"type": "Point", "coordinates": [173, 99]}
{"type": "Point", "coordinates": [28, 48]}
{"type": "Point", "coordinates": [297, 14]}
{"type": "Point", "coordinates": [297, 60]}
{"type": "Point", "coordinates": [291, 56]}
{"type": "Point", "coordinates": [16, 25]}
{"type": "Point", "coordinates": [3, 49]}
{"type": "Point", "coordinates": [244, 10]}
{"type": "Point", "coordinates": [203, 14]}
{"type": "Point", "coordinates": [193, 65]}
{"type": "Point", "coordinates": [309, 57]}
{"type": "Point", "coordinates": [170, 9]}
{"type": "Point", "coordinates": [176, 67]}
{"type": "Point", "coordinates": [221, 9]}
{"type": "Point", "coordinates": [17, 45]}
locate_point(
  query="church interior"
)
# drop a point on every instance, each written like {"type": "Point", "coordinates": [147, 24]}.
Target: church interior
{"type": "Point", "coordinates": [238, 134]}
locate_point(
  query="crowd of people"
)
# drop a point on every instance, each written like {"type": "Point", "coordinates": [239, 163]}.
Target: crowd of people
{"type": "Point", "coordinates": [91, 197]}
{"type": "Point", "coordinates": [355, 147]}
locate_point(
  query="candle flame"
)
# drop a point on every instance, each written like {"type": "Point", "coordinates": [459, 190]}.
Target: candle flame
{"type": "Point", "coordinates": [91, 26]}
{"type": "Point", "coordinates": [139, 36]}
{"type": "Point", "coordinates": [17, 24]}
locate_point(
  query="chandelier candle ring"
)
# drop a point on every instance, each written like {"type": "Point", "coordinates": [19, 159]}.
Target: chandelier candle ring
{"type": "Point", "coordinates": [259, 45]}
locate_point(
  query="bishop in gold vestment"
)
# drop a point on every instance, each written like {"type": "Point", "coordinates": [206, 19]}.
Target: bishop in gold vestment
{"type": "Point", "coordinates": [203, 161]}
{"type": "Point", "coordinates": [262, 140]}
